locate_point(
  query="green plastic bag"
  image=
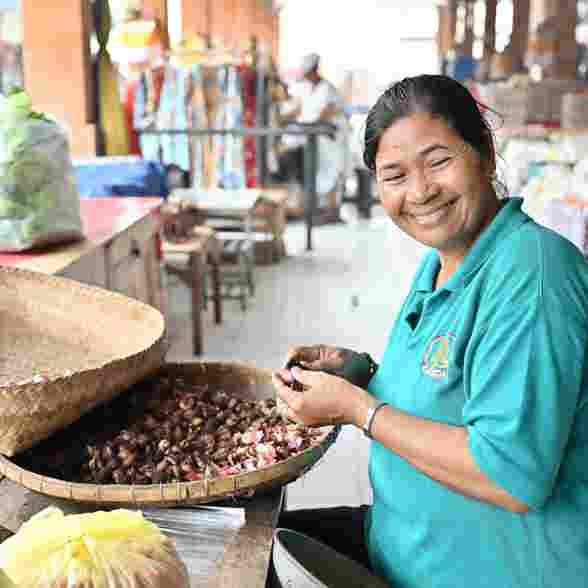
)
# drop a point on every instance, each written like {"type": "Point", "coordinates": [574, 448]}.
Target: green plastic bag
{"type": "Point", "coordinates": [39, 201]}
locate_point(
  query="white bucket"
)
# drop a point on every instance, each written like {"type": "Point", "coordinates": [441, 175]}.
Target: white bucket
{"type": "Point", "coordinates": [302, 562]}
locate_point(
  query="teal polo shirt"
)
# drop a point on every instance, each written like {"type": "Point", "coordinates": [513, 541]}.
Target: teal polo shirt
{"type": "Point", "coordinates": [499, 349]}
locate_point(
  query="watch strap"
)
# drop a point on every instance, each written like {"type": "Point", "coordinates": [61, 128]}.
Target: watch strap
{"type": "Point", "coordinates": [359, 369]}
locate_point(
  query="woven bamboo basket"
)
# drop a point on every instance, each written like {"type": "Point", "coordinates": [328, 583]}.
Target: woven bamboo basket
{"type": "Point", "coordinates": [241, 380]}
{"type": "Point", "coordinates": [64, 348]}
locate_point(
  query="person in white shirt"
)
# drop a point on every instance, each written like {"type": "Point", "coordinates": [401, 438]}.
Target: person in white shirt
{"type": "Point", "coordinates": [314, 100]}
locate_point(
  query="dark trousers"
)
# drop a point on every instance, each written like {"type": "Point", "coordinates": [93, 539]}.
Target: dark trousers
{"type": "Point", "coordinates": [340, 528]}
{"type": "Point", "coordinates": [290, 166]}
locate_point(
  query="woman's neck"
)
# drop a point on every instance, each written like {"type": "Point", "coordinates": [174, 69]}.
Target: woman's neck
{"type": "Point", "coordinates": [446, 270]}
{"type": "Point", "coordinates": [452, 259]}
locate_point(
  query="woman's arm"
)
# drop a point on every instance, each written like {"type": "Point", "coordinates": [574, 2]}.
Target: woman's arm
{"type": "Point", "coordinates": [440, 451]}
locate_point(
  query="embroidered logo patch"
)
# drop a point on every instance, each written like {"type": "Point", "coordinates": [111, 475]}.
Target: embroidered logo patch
{"type": "Point", "coordinates": [436, 358]}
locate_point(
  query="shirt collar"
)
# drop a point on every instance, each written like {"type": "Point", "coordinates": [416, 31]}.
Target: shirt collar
{"type": "Point", "coordinates": [426, 279]}
{"type": "Point", "coordinates": [509, 218]}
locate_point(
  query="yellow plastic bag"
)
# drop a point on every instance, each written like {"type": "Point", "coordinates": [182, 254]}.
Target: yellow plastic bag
{"type": "Point", "coordinates": [118, 549]}
{"type": "Point", "coordinates": [5, 581]}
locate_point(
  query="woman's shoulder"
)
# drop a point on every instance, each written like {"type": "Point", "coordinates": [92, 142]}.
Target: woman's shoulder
{"type": "Point", "coordinates": [541, 257]}
{"type": "Point", "coordinates": [533, 245]}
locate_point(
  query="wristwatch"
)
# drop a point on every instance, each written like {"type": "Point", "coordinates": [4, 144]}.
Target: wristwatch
{"type": "Point", "coordinates": [369, 418]}
{"type": "Point", "coordinates": [372, 365]}
{"type": "Point", "coordinates": [359, 369]}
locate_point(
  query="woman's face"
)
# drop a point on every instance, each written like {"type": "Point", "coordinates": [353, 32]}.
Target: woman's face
{"type": "Point", "coordinates": [434, 186]}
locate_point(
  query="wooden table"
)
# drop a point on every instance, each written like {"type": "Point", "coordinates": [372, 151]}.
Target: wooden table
{"type": "Point", "coordinates": [120, 251]}
{"type": "Point", "coordinates": [246, 558]}
{"type": "Point", "coordinates": [261, 212]}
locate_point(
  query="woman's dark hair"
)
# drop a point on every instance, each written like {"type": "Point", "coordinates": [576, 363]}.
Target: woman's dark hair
{"type": "Point", "coordinates": [439, 96]}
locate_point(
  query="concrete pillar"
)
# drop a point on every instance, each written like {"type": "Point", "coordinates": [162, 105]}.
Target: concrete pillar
{"type": "Point", "coordinates": [565, 66]}
{"type": "Point", "coordinates": [452, 5]}
{"type": "Point", "coordinates": [490, 29]}
{"type": "Point", "coordinates": [446, 31]}
{"type": "Point", "coordinates": [468, 43]}
{"type": "Point", "coordinates": [520, 32]}
{"type": "Point", "coordinates": [57, 66]}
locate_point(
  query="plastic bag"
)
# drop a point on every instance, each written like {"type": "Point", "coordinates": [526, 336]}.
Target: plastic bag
{"type": "Point", "coordinates": [5, 581]}
{"type": "Point", "coordinates": [569, 220]}
{"type": "Point", "coordinates": [117, 549]}
{"type": "Point", "coordinates": [39, 201]}
{"type": "Point", "coordinates": [552, 183]}
{"type": "Point", "coordinates": [201, 535]}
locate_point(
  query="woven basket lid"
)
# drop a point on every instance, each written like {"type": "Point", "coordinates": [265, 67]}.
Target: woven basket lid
{"type": "Point", "coordinates": [64, 348]}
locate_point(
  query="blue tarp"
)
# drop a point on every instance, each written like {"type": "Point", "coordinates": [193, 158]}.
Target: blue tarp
{"type": "Point", "coordinates": [462, 68]}
{"type": "Point", "coordinates": [120, 177]}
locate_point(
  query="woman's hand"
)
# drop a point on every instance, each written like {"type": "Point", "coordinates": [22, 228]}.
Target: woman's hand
{"type": "Point", "coordinates": [323, 400]}
{"type": "Point", "coordinates": [324, 358]}
{"type": "Point", "coordinates": [337, 361]}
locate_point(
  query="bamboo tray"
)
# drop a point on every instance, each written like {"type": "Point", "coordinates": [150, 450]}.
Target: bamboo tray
{"type": "Point", "coordinates": [237, 379]}
{"type": "Point", "coordinates": [64, 348]}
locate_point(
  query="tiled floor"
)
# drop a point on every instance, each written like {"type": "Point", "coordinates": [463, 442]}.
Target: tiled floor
{"type": "Point", "coordinates": [345, 292]}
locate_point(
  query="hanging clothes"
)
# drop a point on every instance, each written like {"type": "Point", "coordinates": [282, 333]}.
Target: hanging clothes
{"type": "Point", "coordinates": [146, 102]}
{"type": "Point", "coordinates": [218, 122]}
{"type": "Point", "coordinates": [172, 114]}
{"type": "Point", "coordinates": [211, 87]}
{"type": "Point", "coordinates": [200, 145]}
{"type": "Point", "coordinates": [131, 86]}
{"type": "Point", "coordinates": [199, 96]}
{"type": "Point", "coordinates": [231, 169]}
{"type": "Point", "coordinates": [248, 92]}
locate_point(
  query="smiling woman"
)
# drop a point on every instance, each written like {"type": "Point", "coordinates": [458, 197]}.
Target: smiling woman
{"type": "Point", "coordinates": [479, 406]}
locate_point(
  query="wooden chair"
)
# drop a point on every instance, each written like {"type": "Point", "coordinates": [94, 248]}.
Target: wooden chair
{"type": "Point", "coordinates": [236, 259]}
{"type": "Point", "coordinates": [194, 252]}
